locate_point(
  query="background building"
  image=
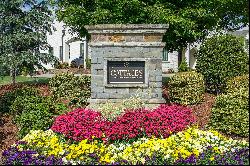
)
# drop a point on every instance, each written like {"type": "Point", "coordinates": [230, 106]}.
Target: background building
{"type": "Point", "coordinates": [67, 47]}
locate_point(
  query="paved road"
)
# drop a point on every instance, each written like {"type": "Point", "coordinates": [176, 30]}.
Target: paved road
{"type": "Point", "coordinates": [51, 75]}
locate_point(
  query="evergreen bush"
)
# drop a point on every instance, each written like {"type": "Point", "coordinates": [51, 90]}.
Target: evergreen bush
{"type": "Point", "coordinates": [220, 58]}
{"type": "Point", "coordinates": [230, 114]}
{"type": "Point", "coordinates": [186, 88]}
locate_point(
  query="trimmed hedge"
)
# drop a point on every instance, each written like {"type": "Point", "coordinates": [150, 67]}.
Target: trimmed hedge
{"type": "Point", "coordinates": [221, 58]}
{"type": "Point", "coordinates": [186, 88]}
{"type": "Point", "coordinates": [230, 114]}
{"type": "Point", "coordinates": [75, 89]}
{"type": "Point", "coordinates": [237, 83]}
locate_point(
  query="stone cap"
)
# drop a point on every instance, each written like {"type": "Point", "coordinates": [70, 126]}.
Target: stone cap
{"type": "Point", "coordinates": [127, 28]}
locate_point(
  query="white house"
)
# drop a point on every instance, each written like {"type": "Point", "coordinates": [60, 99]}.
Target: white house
{"type": "Point", "coordinates": [67, 47]}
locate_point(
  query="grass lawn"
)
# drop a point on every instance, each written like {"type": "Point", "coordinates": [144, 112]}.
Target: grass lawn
{"type": "Point", "coordinates": [7, 80]}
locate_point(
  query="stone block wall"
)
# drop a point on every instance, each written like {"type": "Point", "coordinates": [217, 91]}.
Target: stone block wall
{"type": "Point", "coordinates": [126, 43]}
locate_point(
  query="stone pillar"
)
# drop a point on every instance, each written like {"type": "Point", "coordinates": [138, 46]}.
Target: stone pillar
{"type": "Point", "coordinates": [125, 58]}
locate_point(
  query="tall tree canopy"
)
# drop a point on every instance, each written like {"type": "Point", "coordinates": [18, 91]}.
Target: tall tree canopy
{"type": "Point", "coordinates": [23, 28]}
{"type": "Point", "coordinates": [189, 20]}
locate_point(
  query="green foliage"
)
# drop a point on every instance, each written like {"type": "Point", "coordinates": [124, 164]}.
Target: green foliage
{"type": "Point", "coordinates": [23, 34]}
{"type": "Point", "coordinates": [230, 114]}
{"type": "Point", "coordinates": [33, 113]}
{"type": "Point", "coordinates": [188, 20]}
{"type": "Point", "coordinates": [75, 89]}
{"type": "Point", "coordinates": [237, 83]}
{"type": "Point", "coordinates": [88, 63]}
{"type": "Point", "coordinates": [183, 66]}
{"type": "Point", "coordinates": [186, 88]}
{"type": "Point", "coordinates": [61, 65]}
{"type": "Point", "coordinates": [8, 98]}
{"type": "Point", "coordinates": [221, 58]}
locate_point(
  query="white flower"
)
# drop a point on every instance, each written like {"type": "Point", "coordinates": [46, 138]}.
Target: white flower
{"type": "Point", "coordinates": [64, 160]}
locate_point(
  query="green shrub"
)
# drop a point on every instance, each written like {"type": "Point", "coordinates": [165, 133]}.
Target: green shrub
{"type": "Point", "coordinates": [75, 89]}
{"type": "Point", "coordinates": [8, 98]}
{"type": "Point", "coordinates": [88, 63]}
{"type": "Point", "coordinates": [237, 83]}
{"type": "Point", "coordinates": [230, 112]}
{"type": "Point", "coordinates": [221, 58]}
{"type": "Point", "coordinates": [183, 66]}
{"type": "Point", "coordinates": [35, 113]}
{"type": "Point", "coordinates": [186, 88]}
{"type": "Point", "coordinates": [61, 65]}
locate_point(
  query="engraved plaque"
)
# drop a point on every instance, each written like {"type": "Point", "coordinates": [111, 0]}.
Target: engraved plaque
{"type": "Point", "coordinates": [126, 72]}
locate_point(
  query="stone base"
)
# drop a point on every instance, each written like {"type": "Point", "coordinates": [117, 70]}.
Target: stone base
{"type": "Point", "coordinates": [150, 104]}
{"type": "Point", "coordinates": [147, 101]}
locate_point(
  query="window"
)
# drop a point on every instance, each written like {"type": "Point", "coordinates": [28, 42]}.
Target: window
{"type": "Point", "coordinates": [51, 51]}
{"type": "Point", "coordinates": [61, 53]}
{"type": "Point", "coordinates": [165, 54]}
{"type": "Point", "coordinates": [81, 49]}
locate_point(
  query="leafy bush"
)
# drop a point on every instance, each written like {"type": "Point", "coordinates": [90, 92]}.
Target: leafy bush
{"type": "Point", "coordinates": [230, 114]}
{"type": "Point", "coordinates": [84, 123]}
{"type": "Point", "coordinates": [75, 89]}
{"type": "Point", "coordinates": [36, 114]}
{"type": "Point", "coordinates": [221, 58]}
{"type": "Point", "coordinates": [61, 65]}
{"type": "Point", "coordinates": [8, 98]}
{"type": "Point", "coordinates": [237, 83]}
{"type": "Point", "coordinates": [186, 88]}
{"type": "Point", "coordinates": [183, 66]}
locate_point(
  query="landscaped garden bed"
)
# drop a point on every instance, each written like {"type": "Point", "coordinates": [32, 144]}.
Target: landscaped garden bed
{"type": "Point", "coordinates": [69, 133]}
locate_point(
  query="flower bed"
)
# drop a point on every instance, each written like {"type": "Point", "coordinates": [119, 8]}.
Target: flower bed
{"type": "Point", "coordinates": [191, 146]}
{"type": "Point", "coordinates": [164, 135]}
{"type": "Point", "coordinates": [160, 122]}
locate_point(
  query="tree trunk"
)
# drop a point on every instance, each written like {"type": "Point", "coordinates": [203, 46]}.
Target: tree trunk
{"type": "Point", "coordinates": [180, 56]}
{"type": "Point", "coordinates": [13, 75]}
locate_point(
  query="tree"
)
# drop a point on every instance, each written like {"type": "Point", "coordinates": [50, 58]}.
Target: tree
{"type": "Point", "coordinates": [189, 20]}
{"type": "Point", "coordinates": [23, 28]}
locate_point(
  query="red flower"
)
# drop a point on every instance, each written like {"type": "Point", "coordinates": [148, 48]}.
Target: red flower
{"type": "Point", "coordinates": [83, 123]}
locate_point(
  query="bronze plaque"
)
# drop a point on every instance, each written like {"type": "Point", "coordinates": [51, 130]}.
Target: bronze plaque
{"type": "Point", "coordinates": [126, 72]}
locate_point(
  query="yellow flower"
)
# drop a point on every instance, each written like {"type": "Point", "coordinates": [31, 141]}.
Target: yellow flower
{"type": "Point", "coordinates": [211, 158]}
{"type": "Point", "coordinates": [196, 152]}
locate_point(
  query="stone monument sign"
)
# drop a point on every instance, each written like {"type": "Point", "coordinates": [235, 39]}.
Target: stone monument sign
{"type": "Point", "coordinates": [125, 58]}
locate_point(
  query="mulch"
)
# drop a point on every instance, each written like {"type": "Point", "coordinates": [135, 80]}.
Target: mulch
{"type": "Point", "coordinates": [8, 133]}
{"type": "Point", "coordinates": [202, 111]}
